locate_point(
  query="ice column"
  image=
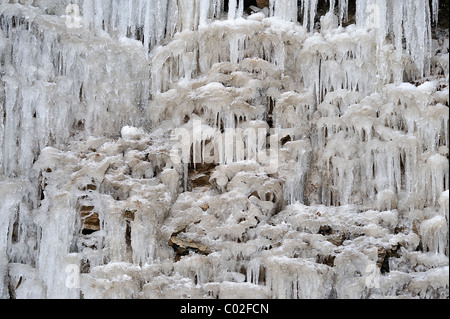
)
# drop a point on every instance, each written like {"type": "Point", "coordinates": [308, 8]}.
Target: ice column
{"type": "Point", "coordinates": [434, 233]}
{"type": "Point", "coordinates": [285, 9]}
{"type": "Point", "coordinates": [295, 182]}
{"type": "Point", "coordinates": [391, 17]}
{"type": "Point", "coordinates": [235, 9]}
{"type": "Point", "coordinates": [148, 21]}
{"type": "Point", "coordinates": [204, 12]}
{"type": "Point", "coordinates": [435, 10]}
{"type": "Point", "coordinates": [56, 263]}
{"type": "Point", "coordinates": [343, 10]}
{"type": "Point", "coordinates": [309, 8]}
{"type": "Point", "coordinates": [10, 198]}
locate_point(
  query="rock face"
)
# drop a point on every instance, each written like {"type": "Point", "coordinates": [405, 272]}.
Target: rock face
{"type": "Point", "coordinates": [200, 175]}
{"type": "Point", "coordinates": [262, 3]}
{"type": "Point", "coordinates": [90, 219]}
{"type": "Point", "coordinates": [287, 151]}
{"type": "Point", "coordinates": [184, 247]}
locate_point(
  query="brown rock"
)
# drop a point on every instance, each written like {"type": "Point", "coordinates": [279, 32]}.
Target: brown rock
{"type": "Point", "coordinates": [199, 177]}
{"type": "Point", "coordinates": [325, 230]}
{"type": "Point", "coordinates": [262, 3]}
{"type": "Point", "coordinates": [90, 219]}
{"type": "Point", "coordinates": [129, 215]}
{"type": "Point", "coordinates": [183, 247]}
{"type": "Point", "coordinates": [337, 239]}
{"type": "Point", "coordinates": [200, 180]}
{"type": "Point", "coordinates": [383, 257]}
{"type": "Point", "coordinates": [255, 193]}
{"type": "Point", "coordinates": [326, 260]}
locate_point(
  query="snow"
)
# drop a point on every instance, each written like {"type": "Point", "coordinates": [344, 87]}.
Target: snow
{"type": "Point", "coordinates": [131, 133]}
{"type": "Point", "coordinates": [173, 149]}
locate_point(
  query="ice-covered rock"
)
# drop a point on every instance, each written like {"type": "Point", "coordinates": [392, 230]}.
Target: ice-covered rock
{"type": "Point", "coordinates": [203, 149]}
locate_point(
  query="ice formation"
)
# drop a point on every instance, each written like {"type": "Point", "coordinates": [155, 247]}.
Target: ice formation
{"type": "Point", "coordinates": [212, 149]}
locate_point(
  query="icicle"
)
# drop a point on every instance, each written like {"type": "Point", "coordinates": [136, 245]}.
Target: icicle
{"type": "Point", "coordinates": [11, 196]}
{"type": "Point", "coordinates": [235, 9]}
{"type": "Point", "coordinates": [361, 7]}
{"type": "Point", "coordinates": [350, 138]}
{"type": "Point", "coordinates": [204, 12]}
{"type": "Point", "coordinates": [444, 204]}
{"type": "Point", "coordinates": [232, 9]}
{"type": "Point", "coordinates": [417, 24]}
{"type": "Point", "coordinates": [217, 8]}
{"type": "Point", "coordinates": [438, 176]}
{"type": "Point", "coordinates": [295, 183]}
{"type": "Point", "coordinates": [285, 9]}
{"type": "Point", "coordinates": [434, 233]}
{"type": "Point", "coordinates": [309, 8]}
{"type": "Point", "coordinates": [57, 234]}
{"type": "Point", "coordinates": [185, 175]}
{"type": "Point", "coordinates": [435, 7]}
{"type": "Point", "coordinates": [398, 35]}
{"type": "Point", "coordinates": [293, 278]}
{"type": "Point", "coordinates": [88, 13]}
{"type": "Point", "coordinates": [343, 11]}
{"type": "Point", "coordinates": [253, 270]}
{"type": "Point", "coordinates": [147, 25]}
{"type": "Point", "coordinates": [332, 5]}
{"type": "Point", "coordinates": [380, 23]}
{"type": "Point", "coordinates": [312, 14]}
{"type": "Point", "coordinates": [240, 11]}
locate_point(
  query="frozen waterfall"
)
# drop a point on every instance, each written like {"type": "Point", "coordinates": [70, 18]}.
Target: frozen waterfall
{"type": "Point", "coordinates": [224, 149]}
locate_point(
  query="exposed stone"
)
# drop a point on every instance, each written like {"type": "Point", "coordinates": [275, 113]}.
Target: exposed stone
{"type": "Point", "coordinates": [89, 187]}
{"type": "Point", "coordinates": [383, 257]}
{"type": "Point", "coordinates": [337, 239]}
{"type": "Point", "coordinates": [262, 3]}
{"type": "Point", "coordinates": [325, 230]}
{"type": "Point", "coordinates": [129, 215]}
{"type": "Point", "coordinates": [90, 219]}
{"type": "Point", "coordinates": [199, 177]}
{"type": "Point", "coordinates": [183, 247]}
{"type": "Point", "coordinates": [255, 193]}
{"type": "Point", "coordinates": [326, 260]}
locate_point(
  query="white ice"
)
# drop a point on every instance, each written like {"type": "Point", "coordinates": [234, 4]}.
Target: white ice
{"type": "Point", "coordinates": [174, 149]}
